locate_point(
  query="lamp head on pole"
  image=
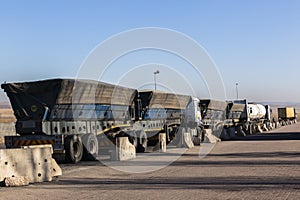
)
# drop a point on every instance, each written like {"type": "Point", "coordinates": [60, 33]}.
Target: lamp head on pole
{"type": "Point", "coordinates": [156, 72]}
{"type": "Point", "coordinates": [237, 91]}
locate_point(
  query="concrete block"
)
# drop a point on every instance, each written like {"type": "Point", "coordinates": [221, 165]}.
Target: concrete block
{"type": "Point", "coordinates": [265, 128]}
{"type": "Point", "coordinates": [34, 162]}
{"type": "Point", "coordinates": [259, 129]}
{"type": "Point", "coordinates": [56, 170]}
{"type": "Point", "coordinates": [209, 137]}
{"type": "Point", "coordinates": [16, 181]}
{"type": "Point", "coordinates": [187, 140]}
{"type": "Point", "coordinates": [162, 143]}
{"type": "Point", "coordinates": [124, 149]}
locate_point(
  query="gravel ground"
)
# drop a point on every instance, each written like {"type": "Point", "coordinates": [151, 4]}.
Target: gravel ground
{"type": "Point", "coordinates": [265, 166]}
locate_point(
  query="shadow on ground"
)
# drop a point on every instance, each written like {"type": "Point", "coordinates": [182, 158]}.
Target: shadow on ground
{"type": "Point", "coordinates": [169, 183]}
{"type": "Point", "coordinates": [269, 136]}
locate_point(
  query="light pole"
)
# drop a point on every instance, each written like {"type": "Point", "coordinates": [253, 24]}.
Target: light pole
{"type": "Point", "coordinates": [237, 91]}
{"type": "Point", "coordinates": [156, 72]}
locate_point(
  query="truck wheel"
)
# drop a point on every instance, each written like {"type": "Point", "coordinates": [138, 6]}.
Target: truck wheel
{"type": "Point", "coordinates": [90, 147]}
{"type": "Point", "coordinates": [198, 138]}
{"type": "Point", "coordinates": [74, 148]}
{"type": "Point", "coordinates": [142, 142]}
{"type": "Point", "coordinates": [251, 129]}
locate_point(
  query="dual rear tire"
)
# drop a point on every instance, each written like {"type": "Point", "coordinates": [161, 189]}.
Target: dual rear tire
{"type": "Point", "coordinates": [81, 148]}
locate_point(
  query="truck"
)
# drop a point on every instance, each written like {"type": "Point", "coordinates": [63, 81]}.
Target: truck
{"type": "Point", "coordinates": [287, 115]}
{"type": "Point", "coordinates": [79, 118]}
{"type": "Point", "coordinates": [246, 118]}
{"type": "Point", "coordinates": [169, 113]}
{"type": "Point", "coordinates": [68, 113]}
{"type": "Point", "coordinates": [213, 113]}
{"type": "Point", "coordinates": [235, 120]}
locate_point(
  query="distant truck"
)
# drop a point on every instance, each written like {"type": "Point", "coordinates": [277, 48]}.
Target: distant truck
{"type": "Point", "coordinates": [244, 118]}
{"type": "Point", "coordinates": [287, 115]}
{"type": "Point", "coordinates": [213, 113]}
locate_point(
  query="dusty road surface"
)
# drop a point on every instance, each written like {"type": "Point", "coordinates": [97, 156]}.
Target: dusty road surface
{"type": "Point", "coordinates": [265, 166]}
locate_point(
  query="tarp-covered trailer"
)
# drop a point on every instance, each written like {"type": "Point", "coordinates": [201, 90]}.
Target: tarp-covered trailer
{"type": "Point", "coordinates": [236, 117]}
{"type": "Point", "coordinates": [247, 118]}
{"type": "Point", "coordinates": [70, 114]}
{"type": "Point", "coordinates": [213, 113]}
{"type": "Point", "coordinates": [166, 112]}
{"type": "Point", "coordinates": [287, 115]}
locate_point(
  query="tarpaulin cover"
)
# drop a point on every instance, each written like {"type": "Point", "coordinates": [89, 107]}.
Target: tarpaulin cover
{"type": "Point", "coordinates": [164, 100]}
{"type": "Point", "coordinates": [64, 91]}
{"type": "Point", "coordinates": [238, 107]}
{"type": "Point", "coordinates": [213, 104]}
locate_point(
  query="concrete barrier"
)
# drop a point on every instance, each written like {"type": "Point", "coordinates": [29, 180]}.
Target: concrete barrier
{"type": "Point", "coordinates": [265, 127]}
{"type": "Point", "coordinates": [33, 162]}
{"type": "Point", "coordinates": [259, 129]}
{"type": "Point", "coordinates": [124, 149]}
{"type": "Point", "coordinates": [187, 140]}
{"type": "Point", "coordinates": [162, 143]}
{"type": "Point", "coordinates": [209, 137]}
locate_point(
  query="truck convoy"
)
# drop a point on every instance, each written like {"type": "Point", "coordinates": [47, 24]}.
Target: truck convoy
{"type": "Point", "coordinates": [75, 115]}
{"type": "Point", "coordinates": [79, 117]}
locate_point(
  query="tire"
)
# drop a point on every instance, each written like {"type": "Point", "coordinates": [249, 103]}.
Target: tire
{"type": "Point", "coordinates": [198, 139]}
{"type": "Point", "coordinates": [142, 142]}
{"type": "Point", "coordinates": [74, 149]}
{"type": "Point", "coordinates": [90, 147]}
{"type": "Point", "coordinates": [250, 129]}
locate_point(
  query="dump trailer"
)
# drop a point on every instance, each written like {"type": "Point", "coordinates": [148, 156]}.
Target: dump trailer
{"type": "Point", "coordinates": [80, 117]}
{"type": "Point", "coordinates": [72, 115]}
{"type": "Point", "coordinates": [213, 115]}
{"type": "Point", "coordinates": [235, 120]}
{"type": "Point", "coordinates": [248, 118]}
{"type": "Point", "coordinates": [287, 115]}
{"type": "Point", "coordinates": [169, 113]}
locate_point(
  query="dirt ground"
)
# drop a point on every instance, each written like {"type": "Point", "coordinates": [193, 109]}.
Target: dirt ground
{"type": "Point", "coordinates": [265, 166]}
{"type": "Point", "coordinates": [7, 120]}
{"type": "Point", "coordinates": [6, 115]}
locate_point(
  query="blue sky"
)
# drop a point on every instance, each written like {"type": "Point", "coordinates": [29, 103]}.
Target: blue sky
{"type": "Point", "coordinates": [255, 43]}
